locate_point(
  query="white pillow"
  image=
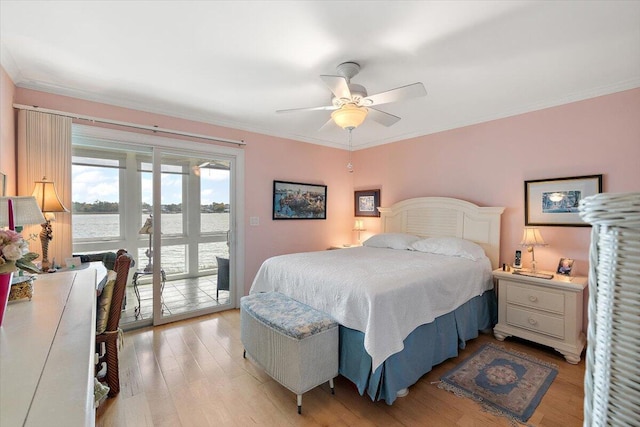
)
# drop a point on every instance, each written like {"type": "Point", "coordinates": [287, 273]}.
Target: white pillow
{"type": "Point", "coordinates": [391, 240]}
{"type": "Point", "coordinates": [450, 246]}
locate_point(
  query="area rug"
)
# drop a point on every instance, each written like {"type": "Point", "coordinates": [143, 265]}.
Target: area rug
{"type": "Point", "coordinates": [506, 382]}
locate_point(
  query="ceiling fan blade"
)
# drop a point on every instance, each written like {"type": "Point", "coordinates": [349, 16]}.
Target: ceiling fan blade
{"type": "Point", "coordinates": [398, 94]}
{"type": "Point", "coordinates": [338, 86]}
{"type": "Point", "coordinates": [381, 117]}
{"type": "Point", "coordinates": [322, 108]}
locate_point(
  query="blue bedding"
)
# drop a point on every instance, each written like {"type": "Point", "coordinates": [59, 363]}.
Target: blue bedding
{"type": "Point", "coordinates": [427, 346]}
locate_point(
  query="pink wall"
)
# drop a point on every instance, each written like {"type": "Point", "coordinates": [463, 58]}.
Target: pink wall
{"type": "Point", "coordinates": [488, 163]}
{"type": "Point", "coordinates": [266, 159]}
{"type": "Point", "coordinates": [7, 131]}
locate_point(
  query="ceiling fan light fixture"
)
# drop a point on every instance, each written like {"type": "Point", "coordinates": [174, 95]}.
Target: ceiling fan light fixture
{"type": "Point", "coordinates": [349, 116]}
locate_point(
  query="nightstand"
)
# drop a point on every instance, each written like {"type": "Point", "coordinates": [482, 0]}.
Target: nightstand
{"type": "Point", "coordinates": [546, 311]}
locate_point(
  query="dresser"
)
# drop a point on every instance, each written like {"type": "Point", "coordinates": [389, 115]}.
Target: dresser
{"type": "Point", "coordinates": [47, 348]}
{"type": "Point", "coordinates": [545, 311]}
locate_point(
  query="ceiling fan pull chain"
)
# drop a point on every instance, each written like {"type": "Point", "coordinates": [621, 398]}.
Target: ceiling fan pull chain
{"type": "Point", "coordinates": [350, 165]}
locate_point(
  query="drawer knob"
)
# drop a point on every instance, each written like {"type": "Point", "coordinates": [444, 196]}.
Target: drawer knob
{"type": "Point", "coordinates": [533, 321]}
{"type": "Point", "coordinates": [533, 298]}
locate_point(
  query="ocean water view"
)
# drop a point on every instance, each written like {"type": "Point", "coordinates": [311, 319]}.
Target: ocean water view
{"type": "Point", "coordinates": [174, 258]}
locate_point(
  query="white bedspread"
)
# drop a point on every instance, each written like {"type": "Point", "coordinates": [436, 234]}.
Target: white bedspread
{"type": "Point", "coordinates": [385, 293]}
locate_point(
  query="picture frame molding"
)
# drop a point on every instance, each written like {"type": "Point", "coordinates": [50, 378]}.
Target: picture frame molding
{"type": "Point", "coordinates": [534, 193]}
{"type": "Point", "coordinates": [370, 196]}
{"type": "Point", "coordinates": [291, 187]}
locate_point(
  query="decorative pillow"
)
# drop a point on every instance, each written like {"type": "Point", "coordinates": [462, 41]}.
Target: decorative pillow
{"type": "Point", "coordinates": [391, 240]}
{"type": "Point", "coordinates": [104, 303]}
{"type": "Point", "coordinates": [450, 246]}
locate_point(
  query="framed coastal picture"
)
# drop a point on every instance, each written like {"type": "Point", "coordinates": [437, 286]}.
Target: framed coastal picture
{"type": "Point", "coordinates": [3, 184]}
{"type": "Point", "coordinates": [555, 201]}
{"type": "Point", "coordinates": [295, 200]}
{"type": "Point", "coordinates": [367, 203]}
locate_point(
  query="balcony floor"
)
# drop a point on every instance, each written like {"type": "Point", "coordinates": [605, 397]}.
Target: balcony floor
{"type": "Point", "coordinates": [179, 296]}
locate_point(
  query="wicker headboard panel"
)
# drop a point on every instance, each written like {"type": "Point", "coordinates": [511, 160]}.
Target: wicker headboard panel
{"type": "Point", "coordinates": [443, 216]}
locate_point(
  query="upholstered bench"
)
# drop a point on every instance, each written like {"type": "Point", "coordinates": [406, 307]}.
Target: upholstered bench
{"type": "Point", "coordinates": [294, 343]}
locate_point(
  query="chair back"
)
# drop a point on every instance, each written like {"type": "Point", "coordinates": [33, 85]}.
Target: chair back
{"type": "Point", "coordinates": [122, 274]}
{"type": "Point", "coordinates": [223, 273]}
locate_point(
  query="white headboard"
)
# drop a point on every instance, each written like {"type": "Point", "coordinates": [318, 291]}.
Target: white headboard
{"type": "Point", "coordinates": [444, 216]}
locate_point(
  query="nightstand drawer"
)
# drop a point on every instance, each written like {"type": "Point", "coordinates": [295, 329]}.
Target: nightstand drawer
{"type": "Point", "coordinates": [534, 321]}
{"type": "Point", "coordinates": [535, 298]}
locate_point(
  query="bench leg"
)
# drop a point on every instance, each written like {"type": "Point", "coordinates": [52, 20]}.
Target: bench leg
{"type": "Point", "coordinates": [299, 403]}
{"type": "Point", "coordinates": [333, 390]}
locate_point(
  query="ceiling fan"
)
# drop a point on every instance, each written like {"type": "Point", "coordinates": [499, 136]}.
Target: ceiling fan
{"type": "Point", "coordinates": [351, 104]}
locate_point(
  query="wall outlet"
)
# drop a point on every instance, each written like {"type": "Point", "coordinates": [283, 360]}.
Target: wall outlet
{"type": "Point", "coordinates": [254, 220]}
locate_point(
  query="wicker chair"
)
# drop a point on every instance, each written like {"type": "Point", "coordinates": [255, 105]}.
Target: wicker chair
{"type": "Point", "coordinates": [107, 342]}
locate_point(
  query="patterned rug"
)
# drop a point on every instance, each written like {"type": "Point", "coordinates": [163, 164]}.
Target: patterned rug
{"type": "Point", "coordinates": [507, 383]}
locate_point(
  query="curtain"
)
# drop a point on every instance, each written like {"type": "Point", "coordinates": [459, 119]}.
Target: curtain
{"type": "Point", "coordinates": [44, 150]}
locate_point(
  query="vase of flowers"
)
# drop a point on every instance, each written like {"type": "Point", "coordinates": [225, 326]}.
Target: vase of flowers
{"type": "Point", "coordinates": [14, 255]}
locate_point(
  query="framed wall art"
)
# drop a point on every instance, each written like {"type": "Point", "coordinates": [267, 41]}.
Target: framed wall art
{"type": "Point", "coordinates": [295, 200]}
{"type": "Point", "coordinates": [555, 202]}
{"type": "Point", "coordinates": [367, 203]}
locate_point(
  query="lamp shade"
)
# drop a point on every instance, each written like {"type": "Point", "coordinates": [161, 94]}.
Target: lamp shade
{"type": "Point", "coordinates": [25, 211]}
{"type": "Point", "coordinates": [147, 228]}
{"type": "Point", "coordinates": [359, 225]}
{"type": "Point", "coordinates": [349, 116]}
{"type": "Point", "coordinates": [47, 197]}
{"type": "Point", "coordinates": [532, 237]}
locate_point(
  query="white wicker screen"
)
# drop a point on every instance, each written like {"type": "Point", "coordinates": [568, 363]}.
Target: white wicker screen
{"type": "Point", "coordinates": [612, 380]}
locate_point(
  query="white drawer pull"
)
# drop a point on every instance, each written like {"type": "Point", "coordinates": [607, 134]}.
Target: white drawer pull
{"type": "Point", "coordinates": [533, 321]}
{"type": "Point", "coordinates": [533, 298]}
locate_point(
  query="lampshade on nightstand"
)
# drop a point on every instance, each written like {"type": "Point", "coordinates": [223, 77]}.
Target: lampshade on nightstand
{"type": "Point", "coordinates": [359, 227]}
{"type": "Point", "coordinates": [532, 238]}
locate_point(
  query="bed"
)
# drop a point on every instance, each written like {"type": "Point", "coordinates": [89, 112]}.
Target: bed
{"type": "Point", "coordinates": [408, 298]}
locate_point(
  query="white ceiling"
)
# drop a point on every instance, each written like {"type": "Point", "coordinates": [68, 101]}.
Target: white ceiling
{"type": "Point", "coordinates": [234, 63]}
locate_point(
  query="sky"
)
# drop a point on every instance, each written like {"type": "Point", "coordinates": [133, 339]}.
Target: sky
{"type": "Point", "coordinates": [99, 183]}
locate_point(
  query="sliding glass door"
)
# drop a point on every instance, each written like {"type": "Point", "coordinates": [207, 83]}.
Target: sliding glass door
{"type": "Point", "coordinates": [174, 211]}
{"type": "Point", "coordinates": [195, 224]}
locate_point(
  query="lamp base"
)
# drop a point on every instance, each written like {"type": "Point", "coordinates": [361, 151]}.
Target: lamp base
{"type": "Point", "coordinates": [46, 234]}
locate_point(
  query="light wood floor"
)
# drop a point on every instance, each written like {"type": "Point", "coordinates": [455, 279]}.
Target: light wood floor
{"type": "Point", "coordinates": [192, 373]}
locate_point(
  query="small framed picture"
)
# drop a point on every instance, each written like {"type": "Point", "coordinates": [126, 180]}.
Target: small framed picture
{"type": "Point", "coordinates": [565, 266]}
{"type": "Point", "coordinates": [367, 203]}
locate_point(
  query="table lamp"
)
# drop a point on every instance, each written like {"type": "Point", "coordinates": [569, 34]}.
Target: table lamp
{"type": "Point", "coordinates": [147, 228]}
{"type": "Point", "coordinates": [48, 201]}
{"type": "Point", "coordinates": [359, 227]}
{"type": "Point", "coordinates": [532, 238]}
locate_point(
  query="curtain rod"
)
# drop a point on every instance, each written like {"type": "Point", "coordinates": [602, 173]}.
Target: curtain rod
{"type": "Point", "coordinates": [127, 124]}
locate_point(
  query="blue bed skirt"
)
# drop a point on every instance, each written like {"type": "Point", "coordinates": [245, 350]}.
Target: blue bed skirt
{"type": "Point", "coordinates": [427, 346]}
